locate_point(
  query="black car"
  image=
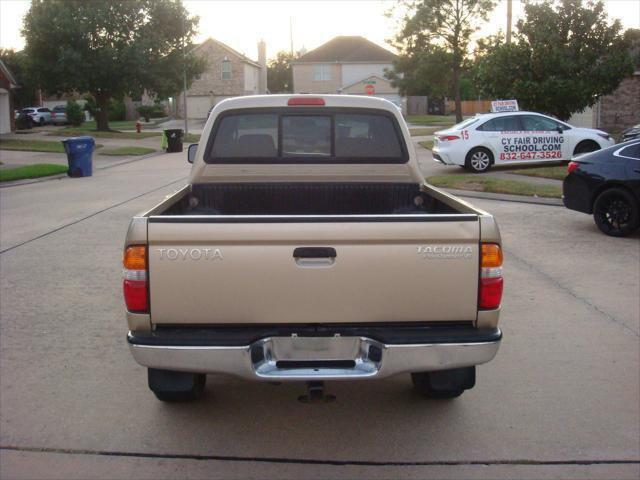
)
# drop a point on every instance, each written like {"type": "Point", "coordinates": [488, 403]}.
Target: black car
{"type": "Point", "coordinates": [606, 184]}
{"type": "Point", "coordinates": [630, 133]}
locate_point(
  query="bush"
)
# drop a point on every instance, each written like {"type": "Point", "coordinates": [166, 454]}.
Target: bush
{"type": "Point", "coordinates": [151, 111]}
{"type": "Point", "coordinates": [117, 110]}
{"type": "Point", "coordinates": [75, 115]}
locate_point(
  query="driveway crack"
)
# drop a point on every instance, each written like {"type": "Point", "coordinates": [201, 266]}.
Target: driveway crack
{"type": "Point", "coordinates": [571, 292]}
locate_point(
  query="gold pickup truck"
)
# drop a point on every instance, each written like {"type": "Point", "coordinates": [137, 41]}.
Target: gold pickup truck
{"type": "Point", "coordinates": [306, 246]}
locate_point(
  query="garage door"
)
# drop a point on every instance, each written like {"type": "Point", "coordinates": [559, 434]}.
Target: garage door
{"type": "Point", "coordinates": [198, 107]}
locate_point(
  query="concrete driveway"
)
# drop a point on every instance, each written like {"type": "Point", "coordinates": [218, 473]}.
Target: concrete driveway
{"type": "Point", "coordinates": [562, 398]}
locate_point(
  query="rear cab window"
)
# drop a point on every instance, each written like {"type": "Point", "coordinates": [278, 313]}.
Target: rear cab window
{"type": "Point", "coordinates": [306, 136]}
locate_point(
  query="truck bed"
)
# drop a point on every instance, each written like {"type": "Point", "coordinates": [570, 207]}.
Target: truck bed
{"type": "Point", "coordinates": [306, 199]}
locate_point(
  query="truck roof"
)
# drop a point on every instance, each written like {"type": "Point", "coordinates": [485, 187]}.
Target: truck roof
{"type": "Point", "coordinates": [280, 100]}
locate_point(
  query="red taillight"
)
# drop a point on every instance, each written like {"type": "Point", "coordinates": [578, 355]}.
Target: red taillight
{"type": "Point", "coordinates": [448, 138]}
{"type": "Point", "coordinates": [491, 283]}
{"type": "Point", "coordinates": [53, 114]}
{"type": "Point", "coordinates": [490, 293]}
{"type": "Point", "coordinates": [572, 166]}
{"type": "Point", "coordinates": [135, 295]}
{"type": "Point", "coordinates": [299, 101]}
{"type": "Point", "coordinates": [135, 286]}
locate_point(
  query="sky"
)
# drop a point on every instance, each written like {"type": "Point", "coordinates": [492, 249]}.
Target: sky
{"type": "Point", "coordinates": [242, 23]}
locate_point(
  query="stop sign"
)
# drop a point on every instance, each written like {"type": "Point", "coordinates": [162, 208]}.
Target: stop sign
{"type": "Point", "coordinates": [369, 89]}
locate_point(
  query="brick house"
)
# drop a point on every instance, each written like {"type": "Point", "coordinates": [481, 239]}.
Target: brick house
{"type": "Point", "coordinates": [346, 64]}
{"type": "Point", "coordinates": [7, 83]}
{"type": "Point", "coordinates": [621, 109]}
{"type": "Point", "coordinates": [228, 74]}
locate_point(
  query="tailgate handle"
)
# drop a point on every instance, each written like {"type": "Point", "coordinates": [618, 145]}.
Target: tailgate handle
{"type": "Point", "coordinates": [314, 252]}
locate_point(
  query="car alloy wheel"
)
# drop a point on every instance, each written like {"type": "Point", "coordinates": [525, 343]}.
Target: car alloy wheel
{"type": "Point", "coordinates": [615, 213]}
{"type": "Point", "coordinates": [479, 160]}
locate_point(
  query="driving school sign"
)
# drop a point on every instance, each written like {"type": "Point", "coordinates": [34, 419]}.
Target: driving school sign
{"type": "Point", "coordinates": [498, 106]}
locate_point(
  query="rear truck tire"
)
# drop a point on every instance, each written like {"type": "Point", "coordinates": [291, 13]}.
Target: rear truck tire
{"type": "Point", "coordinates": [616, 212]}
{"type": "Point", "coordinates": [478, 160]}
{"type": "Point", "coordinates": [444, 383]}
{"type": "Point", "coordinates": [170, 386]}
{"type": "Point", "coordinates": [42, 122]}
{"type": "Point", "coordinates": [586, 146]}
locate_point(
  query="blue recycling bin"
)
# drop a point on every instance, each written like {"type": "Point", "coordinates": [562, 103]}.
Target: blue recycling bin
{"type": "Point", "coordinates": [79, 155]}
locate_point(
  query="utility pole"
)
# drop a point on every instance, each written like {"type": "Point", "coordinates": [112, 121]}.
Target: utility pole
{"type": "Point", "coordinates": [291, 34]}
{"type": "Point", "coordinates": [184, 80]}
{"type": "Point", "coordinates": [509, 14]}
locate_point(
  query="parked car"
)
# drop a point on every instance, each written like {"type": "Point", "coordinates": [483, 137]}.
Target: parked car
{"type": "Point", "coordinates": [381, 274]}
{"type": "Point", "coordinates": [23, 121]}
{"type": "Point", "coordinates": [607, 185]}
{"type": "Point", "coordinates": [630, 133]}
{"type": "Point", "coordinates": [514, 137]}
{"type": "Point", "coordinates": [40, 115]}
{"type": "Point", "coordinates": [59, 115]}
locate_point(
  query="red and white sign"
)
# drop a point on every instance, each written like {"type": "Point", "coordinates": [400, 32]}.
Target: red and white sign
{"type": "Point", "coordinates": [369, 89]}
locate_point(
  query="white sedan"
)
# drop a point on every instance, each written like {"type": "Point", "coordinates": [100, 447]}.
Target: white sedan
{"type": "Point", "coordinates": [513, 137]}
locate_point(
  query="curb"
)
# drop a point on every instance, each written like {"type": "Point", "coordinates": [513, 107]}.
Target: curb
{"type": "Point", "coordinates": [550, 202]}
{"type": "Point", "coordinates": [29, 181]}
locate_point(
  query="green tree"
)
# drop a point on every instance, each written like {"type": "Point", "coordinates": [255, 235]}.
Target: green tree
{"type": "Point", "coordinates": [110, 48]}
{"type": "Point", "coordinates": [25, 94]}
{"type": "Point", "coordinates": [441, 29]}
{"type": "Point", "coordinates": [280, 73]}
{"type": "Point", "coordinates": [75, 115]}
{"type": "Point", "coordinates": [564, 56]}
{"type": "Point", "coordinates": [421, 74]}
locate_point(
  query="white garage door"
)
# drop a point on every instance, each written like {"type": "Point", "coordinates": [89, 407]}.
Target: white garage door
{"type": "Point", "coordinates": [5, 112]}
{"type": "Point", "coordinates": [198, 107]}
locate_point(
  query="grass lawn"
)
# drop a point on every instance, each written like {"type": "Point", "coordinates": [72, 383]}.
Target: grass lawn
{"type": "Point", "coordinates": [482, 183]}
{"type": "Point", "coordinates": [51, 146]}
{"type": "Point", "coordinates": [557, 172]}
{"type": "Point", "coordinates": [31, 171]}
{"type": "Point", "coordinates": [127, 151]}
{"type": "Point", "coordinates": [32, 145]}
{"type": "Point", "coordinates": [416, 132]}
{"type": "Point", "coordinates": [428, 144]}
{"type": "Point", "coordinates": [191, 138]}
{"type": "Point", "coordinates": [77, 132]}
{"type": "Point", "coordinates": [427, 120]}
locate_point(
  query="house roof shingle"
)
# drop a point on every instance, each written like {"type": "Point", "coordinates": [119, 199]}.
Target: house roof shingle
{"type": "Point", "coordinates": [346, 49]}
{"type": "Point", "coordinates": [229, 49]}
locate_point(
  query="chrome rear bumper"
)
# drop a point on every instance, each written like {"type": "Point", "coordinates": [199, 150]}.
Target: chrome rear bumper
{"type": "Point", "coordinates": [314, 358]}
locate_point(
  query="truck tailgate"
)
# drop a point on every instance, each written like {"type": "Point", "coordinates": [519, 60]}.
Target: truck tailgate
{"type": "Point", "coordinates": [208, 270]}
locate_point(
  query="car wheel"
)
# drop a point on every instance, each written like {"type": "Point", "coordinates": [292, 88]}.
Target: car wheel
{"type": "Point", "coordinates": [478, 160]}
{"type": "Point", "coordinates": [170, 386]}
{"type": "Point", "coordinates": [42, 122]}
{"type": "Point", "coordinates": [615, 212]}
{"type": "Point", "coordinates": [586, 146]}
{"type": "Point", "coordinates": [444, 383]}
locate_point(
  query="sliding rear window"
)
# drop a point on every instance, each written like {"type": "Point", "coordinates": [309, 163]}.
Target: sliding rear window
{"type": "Point", "coordinates": [306, 136]}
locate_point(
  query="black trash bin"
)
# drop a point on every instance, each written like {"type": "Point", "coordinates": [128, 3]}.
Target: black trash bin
{"type": "Point", "coordinates": [174, 140]}
{"type": "Point", "coordinates": [79, 152]}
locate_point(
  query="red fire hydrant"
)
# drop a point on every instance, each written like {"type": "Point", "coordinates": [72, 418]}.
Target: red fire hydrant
{"type": "Point", "coordinates": [138, 126]}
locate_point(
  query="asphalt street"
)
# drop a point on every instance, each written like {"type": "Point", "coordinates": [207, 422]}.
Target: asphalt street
{"type": "Point", "coordinates": [561, 399]}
